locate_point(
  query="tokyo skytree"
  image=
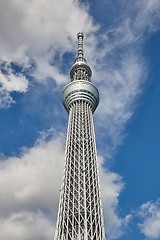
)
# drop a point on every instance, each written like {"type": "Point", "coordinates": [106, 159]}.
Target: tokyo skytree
{"type": "Point", "coordinates": [80, 211]}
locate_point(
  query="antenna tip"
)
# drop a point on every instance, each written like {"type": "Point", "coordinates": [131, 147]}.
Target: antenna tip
{"type": "Point", "coordinates": [80, 34]}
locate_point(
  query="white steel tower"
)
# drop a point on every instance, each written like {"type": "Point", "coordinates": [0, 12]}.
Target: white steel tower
{"type": "Point", "coordinates": [80, 212]}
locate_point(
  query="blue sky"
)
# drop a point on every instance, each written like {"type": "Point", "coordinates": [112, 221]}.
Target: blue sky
{"type": "Point", "coordinates": [37, 48]}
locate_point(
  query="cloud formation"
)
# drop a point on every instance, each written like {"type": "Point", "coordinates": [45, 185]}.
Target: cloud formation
{"type": "Point", "coordinates": [30, 187]}
{"type": "Point", "coordinates": [35, 35]}
{"type": "Point", "coordinates": [111, 186]}
{"type": "Point", "coordinates": [120, 69]}
{"type": "Point", "coordinates": [26, 226]}
{"type": "Point", "coordinates": [150, 219]}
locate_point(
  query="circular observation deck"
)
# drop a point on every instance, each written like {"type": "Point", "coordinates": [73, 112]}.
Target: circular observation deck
{"type": "Point", "coordinates": [80, 71]}
{"type": "Point", "coordinates": [80, 90]}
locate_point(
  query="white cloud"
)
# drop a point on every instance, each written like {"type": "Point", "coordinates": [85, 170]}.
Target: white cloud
{"type": "Point", "coordinates": [30, 184]}
{"type": "Point", "coordinates": [28, 179]}
{"type": "Point", "coordinates": [37, 30]}
{"type": "Point", "coordinates": [119, 88]}
{"type": "Point", "coordinates": [13, 82]}
{"type": "Point", "coordinates": [34, 32]}
{"type": "Point", "coordinates": [10, 81]}
{"type": "Point", "coordinates": [111, 187]}
{"type": "Point", "coordinates": [120, 70]}
{"type": "Point", "coordinates": [26, 226]}
{"type": "Point", "coordinates": [148, 15]}
{"type": "Point", "coordinates": [150, 219]}
{"type": "Point", "coordinates": [5, 99]}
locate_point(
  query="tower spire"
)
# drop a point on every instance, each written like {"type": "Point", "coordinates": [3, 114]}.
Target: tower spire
{"type": "Point", "coordinates": [80, 69]}
{"type": "Point", "coordinates": [80, 37]}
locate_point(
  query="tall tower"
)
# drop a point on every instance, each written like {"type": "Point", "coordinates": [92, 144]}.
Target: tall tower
{"type": "Point", "coordinates": [80, 212]}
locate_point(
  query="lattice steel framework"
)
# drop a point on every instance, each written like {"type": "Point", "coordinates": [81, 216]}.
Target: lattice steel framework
{"type": "Point", "coordinates": [80, 213]}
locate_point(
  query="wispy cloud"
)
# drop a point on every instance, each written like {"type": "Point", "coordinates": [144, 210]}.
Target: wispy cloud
{"type": "Point", "coordinates": [111, 187]}
{"type": "Point", "coordinates": [5, 99]}
{"type": "Point", "coordinates": [148, 15]}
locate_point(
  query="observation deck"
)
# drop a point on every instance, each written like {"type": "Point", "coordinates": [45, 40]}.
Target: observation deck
{"type": "Point", "coordinates": [80, 87]}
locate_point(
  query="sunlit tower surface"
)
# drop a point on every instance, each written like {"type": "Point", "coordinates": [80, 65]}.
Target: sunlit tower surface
{"type": "Point", "coordinates": [80, 212]}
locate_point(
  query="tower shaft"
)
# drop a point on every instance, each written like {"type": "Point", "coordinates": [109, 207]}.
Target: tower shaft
{"type": "Point", "coordinates": [80, 212]}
